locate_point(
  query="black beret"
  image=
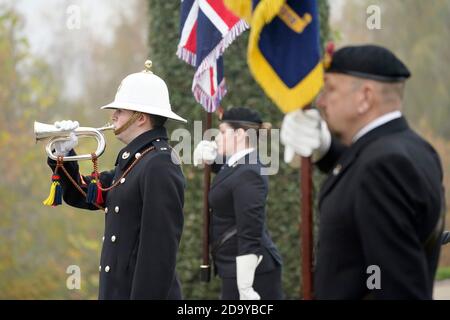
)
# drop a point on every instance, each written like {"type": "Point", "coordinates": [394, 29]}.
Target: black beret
{"type": "Point", "coordinates": [242, 115]}
{"type": "Point", "coordinates": [369, 62]}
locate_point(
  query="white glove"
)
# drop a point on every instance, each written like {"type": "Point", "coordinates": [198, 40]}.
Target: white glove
{"type": "Point", "coordinates": [306, 134]}
{"type": "Point", "coordinates": [291, 158]}
{"type": "Point", "coordinates": [245, 272]}
{"type": "Point", "coordinates": [66, 125]}
{"type": "Point", "coordinates": [206, 151]}
{"type": "Point", "coordinates": [62, 148]}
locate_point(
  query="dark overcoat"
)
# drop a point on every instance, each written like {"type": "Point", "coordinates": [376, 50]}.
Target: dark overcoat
{"type": "Point", "coordinates": [143, 220]}
{"type": "Point", "coordinates": [379, 208]}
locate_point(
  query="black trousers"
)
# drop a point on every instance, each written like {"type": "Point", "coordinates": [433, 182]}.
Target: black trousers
{"type": "Point", "coordinates": [268, 285]}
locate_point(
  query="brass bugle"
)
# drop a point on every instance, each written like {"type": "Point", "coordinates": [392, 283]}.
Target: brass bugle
{"type": "Point", "coordinates": [43, 131]}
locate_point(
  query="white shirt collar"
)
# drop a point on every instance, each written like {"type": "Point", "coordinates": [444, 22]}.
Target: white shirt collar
{"type": "Point", "coordinates": [376, 123]}
{"type": "Point", "coordinates": [239, 155]}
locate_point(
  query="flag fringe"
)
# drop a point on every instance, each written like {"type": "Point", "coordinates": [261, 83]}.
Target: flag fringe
{"type": "Point", "coordinates": [187, 56]}
{"type": "Point", "coordinates": [209, 103]}
{"type": "Point", "coordinates": [211, 58]}
{"type": "Point", "coordinates": [191, 57]}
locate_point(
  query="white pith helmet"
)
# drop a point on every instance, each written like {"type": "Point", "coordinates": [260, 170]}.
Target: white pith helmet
{"type": "Point", "coordinates": [144, 92]}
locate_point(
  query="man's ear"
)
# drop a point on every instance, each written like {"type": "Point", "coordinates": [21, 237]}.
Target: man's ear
{"type": "Point", "coordinates": [143, 119]}
{"type": "Point", "coordinates": [367, 97]}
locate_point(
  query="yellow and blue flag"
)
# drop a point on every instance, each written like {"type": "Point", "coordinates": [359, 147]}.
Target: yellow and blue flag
{"type": "Point", "coordinates": [284, 48]}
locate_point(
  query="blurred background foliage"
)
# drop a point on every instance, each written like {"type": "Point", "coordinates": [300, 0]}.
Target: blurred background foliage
{"type": "Point", "coordinates": [81, 69]}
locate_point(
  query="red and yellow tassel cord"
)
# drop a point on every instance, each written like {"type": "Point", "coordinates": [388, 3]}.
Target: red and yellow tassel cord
{"type": "Point", "coordinates": [55, 197]}
{"type": "Point", "coordinates": [94, 192]}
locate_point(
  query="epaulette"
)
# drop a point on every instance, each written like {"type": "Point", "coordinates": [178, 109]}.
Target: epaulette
{"type": "Point", "coordinates": [161, 145]}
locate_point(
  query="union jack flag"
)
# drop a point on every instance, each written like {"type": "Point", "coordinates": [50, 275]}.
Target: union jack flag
{"type": "Point", "coordinates": [207, 28]}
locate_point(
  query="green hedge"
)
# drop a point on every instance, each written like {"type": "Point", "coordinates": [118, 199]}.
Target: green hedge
{"type": "Point", "coordinates": [283, 203]}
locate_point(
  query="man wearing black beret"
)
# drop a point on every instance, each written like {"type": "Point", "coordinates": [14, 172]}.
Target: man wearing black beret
{"type": "Point", "coordinates": [381, 207]}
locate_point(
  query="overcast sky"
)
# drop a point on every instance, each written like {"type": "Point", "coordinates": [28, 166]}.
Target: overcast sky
{"type": "Point", "coordinates": [47, 28]}
{"type": "Point", "coordinates": [46, 17]}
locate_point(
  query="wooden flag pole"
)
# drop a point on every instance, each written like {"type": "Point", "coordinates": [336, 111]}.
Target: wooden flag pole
{"type": "Point", "coordinates": [205, 267]}
{"type": "Point", "coordinates": [306, 228]}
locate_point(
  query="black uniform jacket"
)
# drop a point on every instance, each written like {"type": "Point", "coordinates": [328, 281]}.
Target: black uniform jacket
{"type": "Point", "coordinates": [378, 207]}
{"type": "Point", "coordinates": [237, 199]}
{"type": "Point", "coordinates": [143, 220]}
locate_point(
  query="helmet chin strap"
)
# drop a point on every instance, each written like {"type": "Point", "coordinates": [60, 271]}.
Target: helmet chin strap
{"type": "Point", "coordinates": [127, 124]}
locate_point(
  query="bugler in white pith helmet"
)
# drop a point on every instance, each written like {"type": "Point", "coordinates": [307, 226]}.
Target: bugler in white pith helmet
{"type": "Point", "coordinates": [144, 92]}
